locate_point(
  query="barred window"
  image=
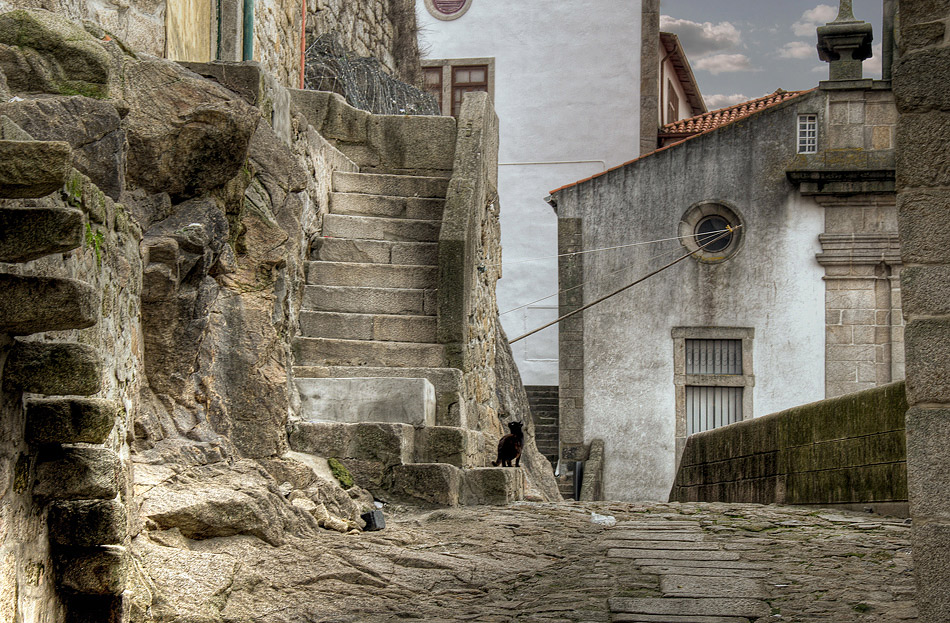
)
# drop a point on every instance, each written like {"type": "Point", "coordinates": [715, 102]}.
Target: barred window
{"type": "Point", "coordinates": [807, 134]}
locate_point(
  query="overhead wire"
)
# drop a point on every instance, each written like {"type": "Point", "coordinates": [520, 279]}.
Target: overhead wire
{"type": "Point", "coordinates": [622, 246]}
{"type": "Point", "coordinates": [702, 247]}
{"type": "Point", "coordinates": [587, 283]}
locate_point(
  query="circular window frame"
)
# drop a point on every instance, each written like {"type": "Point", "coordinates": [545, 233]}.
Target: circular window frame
{"type": "Point", "coordinates": [699, 212]}
{"type": "Point", "coordinates": [447, 17]}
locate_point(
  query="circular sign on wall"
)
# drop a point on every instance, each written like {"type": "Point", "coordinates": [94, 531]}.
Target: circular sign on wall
{"type": "Point", "coordinates": [448, 9]}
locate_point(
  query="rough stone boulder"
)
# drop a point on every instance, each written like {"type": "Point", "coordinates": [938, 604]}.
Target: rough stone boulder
{"type": "Point", "coordinates": [222, 500]}
{"type": "Point", "coordinates": [44, 52]}
{"type": "Point", "coordinates": [90, 126]}
{"type": "Point", "coordinates": [186, 134]}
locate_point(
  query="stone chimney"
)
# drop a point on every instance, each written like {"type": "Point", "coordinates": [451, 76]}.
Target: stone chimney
{"type": "Point", "coordinates": [844, 44]}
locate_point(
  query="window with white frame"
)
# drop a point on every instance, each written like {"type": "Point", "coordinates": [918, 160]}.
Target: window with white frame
{"type": "Point", "coordinates": [450, 79]}
{"type": "Point", "coordinates": [807, 134]}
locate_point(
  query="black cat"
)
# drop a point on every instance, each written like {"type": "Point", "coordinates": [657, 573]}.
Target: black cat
{"type": "Point", "coordinates": [509, 446]}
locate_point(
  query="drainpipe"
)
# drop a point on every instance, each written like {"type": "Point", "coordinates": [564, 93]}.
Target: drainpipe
{"type": "Point", "coordinates": [887, 39]}
{"type": "Point", "coordinates": [248, 36]}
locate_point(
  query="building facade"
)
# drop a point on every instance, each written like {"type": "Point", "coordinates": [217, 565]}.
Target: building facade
{"type": "Point", "coordinates": [566, 111]}
{"type": "Point", "coordinates": [788, 291]}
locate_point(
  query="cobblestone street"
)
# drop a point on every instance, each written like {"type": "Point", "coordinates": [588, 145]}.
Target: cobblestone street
{"type": "Point", "coordinates": [534, 562]}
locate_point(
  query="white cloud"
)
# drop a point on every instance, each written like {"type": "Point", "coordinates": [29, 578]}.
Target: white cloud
{"type": "Point", "coordinates": [813, 18]}
{"type": "Point", "coordinates": [700, 39]}
{"type": "Point", "coordinates": [715, 102]}
{"type": "Point", "coordinates": [724, 63]}
{"type": "Point", "coordinates": [872, 66]}
{"type": "Point", "coordinates": [798, 49]}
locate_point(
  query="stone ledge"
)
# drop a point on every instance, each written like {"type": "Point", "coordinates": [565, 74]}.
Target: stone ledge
{"type": "Point", "coordinates": [37, 304]}
{"type": "Point", "coordinates": [29, 233]}
{"type": "Point", "coordinates": [30, 169]}
{"type": "Point", "coordinates": [59, 369]}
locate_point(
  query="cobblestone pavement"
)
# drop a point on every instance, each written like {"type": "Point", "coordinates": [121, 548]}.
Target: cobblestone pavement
{"type": "Point", "coordinates": [662, 563]}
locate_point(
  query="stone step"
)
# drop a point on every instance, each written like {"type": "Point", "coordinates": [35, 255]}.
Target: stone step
{"type": "Point", "coordinates": [384, 444]}
{"type": "Point", "coordinates": [77, 473]}
{"type": "Point", "coordinates": [375, 252]}
{"type": "Point", "coordinates": [371, 275]}
{"type": "Point", "coordinates": [351, 299]}
{"type": "Point", "coordinates": [37, 304]}
{"type": "Point", "coordinates": [450, 408]}
{"type": "Point", "coordinates": [379, 228]}
{"type": "Point", "coordinates": [69, 420]}
{"type": "Point", "coordinates": [359, 204]}
{"type": "Point", "coordinates": [30, 233]}
{"type": "Point", "coordinates": [392, 443]}
{"type": "Point", "coordinates": [332, 352]}
{"type": "Point", "coordinates": [390, 185]}
{"type": "Point", "coordinates": [30, 169]}
{"type": "Point", "coordinates": [391, 400]}
{"type": "Point", "coordinates": [379, 327]}
{"type": "Point", "coordinates": [54, 368]}
{"type": "Point", "coordinates": [440, 484]}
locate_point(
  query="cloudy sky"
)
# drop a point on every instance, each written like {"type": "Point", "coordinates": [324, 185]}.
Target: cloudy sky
{"type": "Point", "coordinates": [743, 49]}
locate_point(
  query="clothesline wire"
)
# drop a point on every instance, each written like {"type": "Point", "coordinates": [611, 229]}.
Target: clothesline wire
{"type": "Point", "coordinates": [628, 286]}
{"type": "Point", "coordinates": [586, 283]}
{"type": "Point", "coordinates": [622, 246]}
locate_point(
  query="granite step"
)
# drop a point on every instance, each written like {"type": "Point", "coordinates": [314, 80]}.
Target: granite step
{"type": "Point", "coordinates": [390, 185]}
{"type": "Point", "coordinates": [358, 300]}
{"type": "Point", "coordinates": [373, 275]}
{"type": "Point", "coordinates": [336, 352]}
{"type": "Point", "coordinates": [379, 327]}
{"type": "Point", "coordinates": [37, 304]}
{"type": "Point", "coordinates": [450, 408]}
{"type": "Point", "coordinates": [379, 228]}
{"type": "Point", "coordinates": [358, 204]}
{"type": "Point", "coordinates": [375, 252]}
{"type": "Point", "coordinates": [31, 169]}
{"type": "Point", "coordinates": [30, 233]}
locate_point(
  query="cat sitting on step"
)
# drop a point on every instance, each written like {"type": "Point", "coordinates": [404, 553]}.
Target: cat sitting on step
{"type": "Point", "coordinates": [509, 446]}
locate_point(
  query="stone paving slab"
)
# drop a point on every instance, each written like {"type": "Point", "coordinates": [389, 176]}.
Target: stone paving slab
{"type": "Point", "coordinates": [666, 618]}
{"type": "Point", "coordinates": [711, 586]}
{"type": "Point", "coordinates": [717, 571]}
{"type": "Point", "coordinates": [749, 608]}
{"type": "Point", "coordinates": [672, 554]}
{"type": "Point", "coordinates": [662, 545]}
{"type": "Point", "coordinates": [650, 535]}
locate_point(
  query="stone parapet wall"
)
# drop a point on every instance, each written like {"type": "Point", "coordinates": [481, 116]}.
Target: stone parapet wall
{"type": "Point", "coordinates": [845, 451]}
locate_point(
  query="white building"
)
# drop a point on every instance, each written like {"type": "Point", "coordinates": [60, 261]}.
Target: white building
{"type": "Point", "coordinates": [577, 88]}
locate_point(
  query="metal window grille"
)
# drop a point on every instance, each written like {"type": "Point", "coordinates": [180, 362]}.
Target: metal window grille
{"type": "Point", "coordinates": [714, 357]}
{"type": "Point", "coordinates": [711, 407]}
{"type": "Point", "coordinates": [807, 134]}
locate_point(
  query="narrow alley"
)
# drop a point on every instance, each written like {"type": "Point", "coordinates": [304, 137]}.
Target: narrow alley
{"type": "Point", "coordinates": [578, 562]}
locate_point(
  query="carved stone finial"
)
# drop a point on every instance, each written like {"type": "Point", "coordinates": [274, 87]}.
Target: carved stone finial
{"type": "Point", "coordinates": [845, 43]}
{"type": "Point", "coordinates": [845, 12]}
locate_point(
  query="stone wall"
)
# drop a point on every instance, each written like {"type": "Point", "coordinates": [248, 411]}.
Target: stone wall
{"type": "Point", "coordinates": [383, 29]}
{"type": "Point", "coordinates": [923, 180]}
{"type": "Point", "coordinates": [847, 451]}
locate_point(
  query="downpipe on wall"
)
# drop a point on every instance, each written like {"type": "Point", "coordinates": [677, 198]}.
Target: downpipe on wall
{"type": "Point", "coordinates": [247, 38]}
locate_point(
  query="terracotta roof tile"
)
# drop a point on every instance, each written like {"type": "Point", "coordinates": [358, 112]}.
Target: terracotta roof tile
{"type": "Point", "coordinates": [712, 120]}
{"type": "Point", "coordinates": [702, 124]}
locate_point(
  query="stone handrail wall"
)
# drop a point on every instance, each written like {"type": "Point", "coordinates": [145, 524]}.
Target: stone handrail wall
{"type": "Point", "coordinates": [469, 255]}
{"type": "Point", "coordinates": [845, 451]}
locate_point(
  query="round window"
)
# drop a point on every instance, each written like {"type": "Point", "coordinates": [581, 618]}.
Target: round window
{"type": "Point", "coordinates": [447, 9]}
{"type": "Point", "coordinates": [712, 231]}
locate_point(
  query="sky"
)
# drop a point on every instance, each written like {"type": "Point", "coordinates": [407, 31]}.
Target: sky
{"type": "Point", "coordinates": [743, 49]}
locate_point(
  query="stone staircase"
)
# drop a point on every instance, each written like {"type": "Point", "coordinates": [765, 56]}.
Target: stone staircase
{"type": "Point", "coordinates": [369, 312]}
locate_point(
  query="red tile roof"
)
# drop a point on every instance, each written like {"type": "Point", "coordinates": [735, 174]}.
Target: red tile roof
{"type": "Point", "coordinates": [703, 124]}
{"type": "Point", "coordinates": [712, 120]}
